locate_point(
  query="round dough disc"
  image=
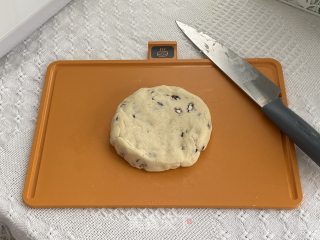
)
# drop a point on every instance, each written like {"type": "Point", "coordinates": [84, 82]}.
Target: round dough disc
{"type": "Point", "coordinates": [161, 128]}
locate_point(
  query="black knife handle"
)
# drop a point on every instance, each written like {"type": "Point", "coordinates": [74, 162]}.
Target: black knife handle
{"type": "Point", "coordinates": [305, 136]}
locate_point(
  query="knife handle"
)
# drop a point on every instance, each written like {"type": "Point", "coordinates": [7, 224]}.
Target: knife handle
{"type": "Point", "coordinates": [305, 136]}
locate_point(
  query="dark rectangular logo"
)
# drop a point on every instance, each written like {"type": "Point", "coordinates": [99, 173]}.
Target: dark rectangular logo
{"type": "Point", "coordinates": [162, 52]}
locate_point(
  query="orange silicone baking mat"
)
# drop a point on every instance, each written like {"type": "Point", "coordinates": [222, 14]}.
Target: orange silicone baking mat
{"type": "Point", "coordinates": [248, 162]}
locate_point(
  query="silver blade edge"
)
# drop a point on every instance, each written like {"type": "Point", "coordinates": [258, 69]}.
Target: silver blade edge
{"type": "Point", "coordinates": [251, 81]}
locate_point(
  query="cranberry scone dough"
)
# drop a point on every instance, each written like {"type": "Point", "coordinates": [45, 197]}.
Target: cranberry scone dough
{"type": "Point", "coordinates": [161, 128]}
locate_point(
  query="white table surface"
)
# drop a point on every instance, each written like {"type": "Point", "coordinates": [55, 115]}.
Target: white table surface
{"type": "Point", "coordinates": [92, 29]}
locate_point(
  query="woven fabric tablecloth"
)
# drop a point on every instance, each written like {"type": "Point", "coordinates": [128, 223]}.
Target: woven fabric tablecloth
{"type": "Point", "coordinates": [102, 29]}
{"type": "Point", "coordinates": [312, 6]}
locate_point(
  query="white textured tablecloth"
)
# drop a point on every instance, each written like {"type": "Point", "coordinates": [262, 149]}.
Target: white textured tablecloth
{"type": "Point", "coordinates": [88, 29]}
{"type": "Point", "coordinates": [312, 6]}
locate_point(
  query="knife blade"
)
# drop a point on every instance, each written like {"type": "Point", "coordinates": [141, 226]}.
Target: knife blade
{"type": "Point", "coordinates": [260, 89]}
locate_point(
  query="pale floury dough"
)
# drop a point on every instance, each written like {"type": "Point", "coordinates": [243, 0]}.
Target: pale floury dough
{"type": "Point", "coordinates": [161, 128]}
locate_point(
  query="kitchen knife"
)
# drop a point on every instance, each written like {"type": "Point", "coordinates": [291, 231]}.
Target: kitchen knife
{"type": "Point", "coordinates": [260, 89]}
